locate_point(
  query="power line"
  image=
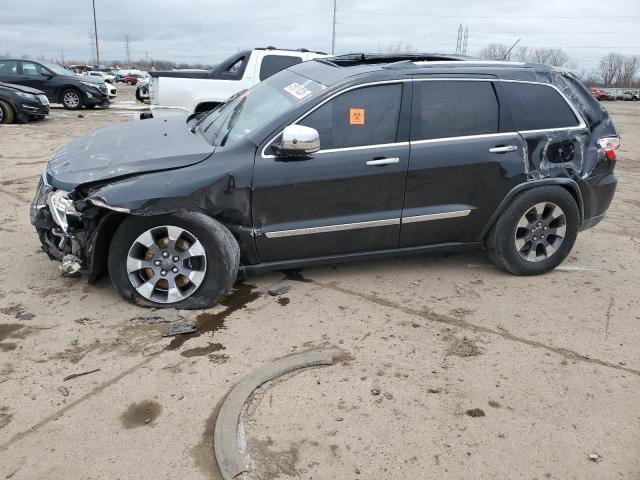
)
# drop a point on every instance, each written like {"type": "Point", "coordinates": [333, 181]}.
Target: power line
{"type": "Point", "coordinates": [492, 17]}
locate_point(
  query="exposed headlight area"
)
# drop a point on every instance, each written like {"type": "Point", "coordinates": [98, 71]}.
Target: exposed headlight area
{"type": "Point", "coordinates": [61, 208]}
{"type": "Point", "coordinates": [90, 84]}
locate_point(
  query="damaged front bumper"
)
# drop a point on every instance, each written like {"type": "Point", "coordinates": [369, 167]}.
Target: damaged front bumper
{"type": "Point", "coordinates": [60, 227]}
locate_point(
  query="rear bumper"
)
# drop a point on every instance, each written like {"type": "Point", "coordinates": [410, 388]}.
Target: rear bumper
{"type": "Point", "coordinates": [598, 199]}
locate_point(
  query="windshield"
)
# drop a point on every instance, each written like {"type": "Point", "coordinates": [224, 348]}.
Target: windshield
{"type": "Point", "coordinates": [257, 106]}
{"type": "Point", "coordinates": [57, 69]}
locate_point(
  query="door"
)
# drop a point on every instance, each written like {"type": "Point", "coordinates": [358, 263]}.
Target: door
{"type": "Point", "coordinates": [9, 71]}
{"type": "Point", "coordinates": [465, 157]}
{"type": "Point", "coordinates": [35, 75]}
{"type": "Point", "coordinates": [348, 196]}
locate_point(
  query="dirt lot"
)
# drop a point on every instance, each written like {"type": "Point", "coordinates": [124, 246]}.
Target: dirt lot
{"type": "Point", "coordinates": [455, 369]}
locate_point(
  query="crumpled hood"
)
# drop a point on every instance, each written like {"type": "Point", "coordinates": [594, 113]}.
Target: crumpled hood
{"type": "Point", "coordinates": [127, 149]}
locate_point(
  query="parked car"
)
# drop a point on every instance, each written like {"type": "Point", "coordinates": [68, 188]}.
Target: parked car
{"type": "Point", "coordinates": [106, 76]}
{"type": "Point", "coordinates": [142, 90]}
{"type": "Point", "coordinates": [631, 96]}
{"type": "Point", "coordinates": [332, 160]}
{"type": "Point", "coordinates": [112, 91]}
{"type": "Point", "coordinates": [601, 95]}
{"type": "Point", "coordinates": [58, 84]}
{"type": "Point", "coordinates": [19, 103]}
{"type": "Point", "coordinates": [133, 78]}
{"type": "Point", "coordinates": [199, 91]}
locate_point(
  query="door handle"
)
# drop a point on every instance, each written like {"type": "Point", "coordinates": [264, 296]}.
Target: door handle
{"type": "Point", "coordinates": [504, 149]}
{"type": "Point", "coordinates": [382, 161]}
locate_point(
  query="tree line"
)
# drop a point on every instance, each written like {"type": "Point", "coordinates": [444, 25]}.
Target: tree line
{"type": "Point", "coordinates": [613, 70]}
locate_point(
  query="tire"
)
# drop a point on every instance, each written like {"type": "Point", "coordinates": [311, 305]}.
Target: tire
{"type": "Point", "coordinates": [510, 241]}
{"type": "Point", "coordinates": [6, 112]}
{"type": "Point", "coordinates": [71, 99]}
{"type": "Point", "coordinates": [215, 275]}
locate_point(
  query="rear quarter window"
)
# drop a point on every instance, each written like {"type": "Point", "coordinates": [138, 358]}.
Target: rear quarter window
{"type": "Point", "coordinates": [538, 107]}
{"type": "Point", "coordinates": [272, 64]}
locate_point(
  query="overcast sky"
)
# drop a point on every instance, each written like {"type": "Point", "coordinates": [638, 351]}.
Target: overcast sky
{"type": "Point", "coordinates": [208, 30]}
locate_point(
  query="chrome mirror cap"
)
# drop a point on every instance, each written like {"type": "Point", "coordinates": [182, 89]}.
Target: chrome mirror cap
{"type": "Point", "coordinates": [298, 139]}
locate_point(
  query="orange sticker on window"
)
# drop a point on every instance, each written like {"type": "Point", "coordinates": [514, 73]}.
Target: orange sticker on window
{"type": "Point", "coordinates": [356, 116]}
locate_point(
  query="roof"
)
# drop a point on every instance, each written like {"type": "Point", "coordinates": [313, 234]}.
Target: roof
{"type": "Point", "coordinates": [331, 70]}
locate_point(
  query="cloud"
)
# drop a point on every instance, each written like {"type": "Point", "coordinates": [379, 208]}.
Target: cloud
{"type": "Point", "coordinates": [205, 31]}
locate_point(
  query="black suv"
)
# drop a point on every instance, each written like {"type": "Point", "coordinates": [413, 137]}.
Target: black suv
{"type": "Point", "coordinates": [58, 84]}
{"type": "Point", "coordinates": [348, 158]}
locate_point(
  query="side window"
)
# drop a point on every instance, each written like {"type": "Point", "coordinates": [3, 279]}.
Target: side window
{"type": "Point", "coordinates": [451, 108]}
{"type": "Point", "coordinates": [366, 116]}
{"type": "Point", "coordinates": [537, 107]}
{"type": "Point", "coordinates": [8, 66]}
{"type": "Point", "coordinates": [31, 69]}
{"type": "Point", "coordinates": [274, 63]}
{"type": "Point", "coordinates": [236, 66]}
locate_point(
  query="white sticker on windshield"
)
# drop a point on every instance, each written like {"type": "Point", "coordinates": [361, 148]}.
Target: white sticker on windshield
{"type": "Point", "coordinates": [297, 90]}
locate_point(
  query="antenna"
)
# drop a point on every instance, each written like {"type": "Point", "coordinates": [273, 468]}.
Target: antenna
{"type": "Point", "coordinates": [506, 55]}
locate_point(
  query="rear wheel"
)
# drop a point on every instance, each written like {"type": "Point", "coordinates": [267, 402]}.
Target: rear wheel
{"type": "Point", "coordinates": [6, 112]}
{"type": "Point", "coordinates": [186, 261]}
{"type": "Point", "coordinates": [536, 231]}
{"type": "Point", "coordinates": [71, 99]}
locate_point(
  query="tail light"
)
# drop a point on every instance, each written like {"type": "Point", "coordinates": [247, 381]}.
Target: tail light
{"type": "Point", "coordinates": [609, 145]}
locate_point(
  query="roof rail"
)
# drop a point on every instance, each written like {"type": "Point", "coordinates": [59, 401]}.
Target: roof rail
{"type": "Point", "coordinates": [373, 58]}
{"type": "Point", "coordinates": [304, 50]}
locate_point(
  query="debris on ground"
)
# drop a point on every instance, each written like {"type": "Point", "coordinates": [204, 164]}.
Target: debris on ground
{"type": "Point", "coordinates": [275, 292]}
{"type": "Point", "coordinates": [63, 391]}
{"type": "Point", "coordinates": [375, 392]}
{"type": "Point", "coordinates": [594, 457]}
{"type": "Point", "coordinates": [475, 412]}
{"type": "Point", "coordinates": [74, 375]}
{"type": "Point", "coordinates": [462, 347]}
{"type": "Point", "coordinates": [180, 329]}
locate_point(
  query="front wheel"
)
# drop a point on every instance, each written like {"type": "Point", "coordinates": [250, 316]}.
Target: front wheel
{"type": "Point", "coordinates": [6, 112]}
{"type": "Point", "coordinates": [536, 231]}
{"type": "Point", "coordinates": [71, 99]}
{"type": "Point", "coordinates": [185, 261]}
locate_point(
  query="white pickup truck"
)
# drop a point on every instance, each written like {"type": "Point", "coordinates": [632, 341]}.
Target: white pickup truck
{"type": "Point", "coordinates": [199, 91]}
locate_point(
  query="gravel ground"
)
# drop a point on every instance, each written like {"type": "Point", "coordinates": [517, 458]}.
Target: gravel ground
{"type": "Point", "coordinates": [454, 369]}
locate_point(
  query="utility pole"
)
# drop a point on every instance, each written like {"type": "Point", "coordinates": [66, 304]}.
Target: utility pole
{"type": "Point", "coordinates": [95, 30]}
{"type": "Point", "coordinates": [333, 36]}
{"type": "Point", "coordinates": [62, 53]}
{"type": "Point", "coordinates": [92, 46]}
{"type": "Point", "coordinates": [464, 42]}
{"type": "Point", "coordinates": [127, 48]}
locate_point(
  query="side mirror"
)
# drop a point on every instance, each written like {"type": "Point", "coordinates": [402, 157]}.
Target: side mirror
{"type": "Point", "coordinates": [298, 140]}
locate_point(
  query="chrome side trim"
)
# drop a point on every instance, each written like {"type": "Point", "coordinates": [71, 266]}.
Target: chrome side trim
{"type": "Point", "coordinates": [464, 137]}
{"type": "Point", "coordinates": [332, 228]}
{"type": "Point", "coordinates": [363, 147]}
{"type": "Point", "coordinates": [435, 216]}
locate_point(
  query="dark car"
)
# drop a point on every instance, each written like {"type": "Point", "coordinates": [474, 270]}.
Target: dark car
{"type": "Point", "coordinates": [19, 104]}
{"type": "Point", "coordinates": [58, 84]}
{"type": "Point", "coordinates": [331, 160]}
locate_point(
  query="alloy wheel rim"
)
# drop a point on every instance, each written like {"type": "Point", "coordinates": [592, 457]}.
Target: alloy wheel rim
{"type": "Point", "coordinates": [540, 232]}
{"type": "Point", "coordinates": [166, 264]}
{"type": "Point", "coordinates": [71, 99]}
